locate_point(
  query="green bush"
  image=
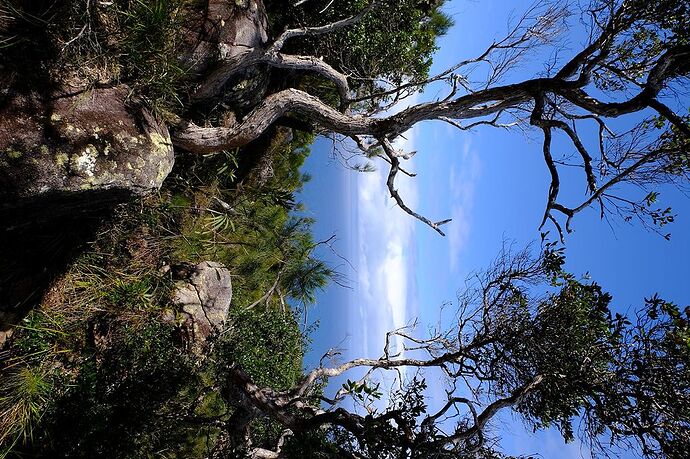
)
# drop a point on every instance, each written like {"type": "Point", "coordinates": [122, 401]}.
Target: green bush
{"type": "Point", "coordinates": [267, 345]}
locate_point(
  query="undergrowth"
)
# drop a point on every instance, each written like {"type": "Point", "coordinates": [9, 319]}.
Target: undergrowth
{"type": "Point", "coordinates": [135, 42]}
{"type": "Point", "coordinates": [102, 367]}
{"type": "Point", "coordinates": [100, 370]}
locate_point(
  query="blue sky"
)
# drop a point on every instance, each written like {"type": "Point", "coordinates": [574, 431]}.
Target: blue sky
{"type": "Point", "coordinates": [494, 185]}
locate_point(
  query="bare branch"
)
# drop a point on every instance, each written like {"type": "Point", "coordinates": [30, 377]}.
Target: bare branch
{"type": "Point", "coordinates": [262, 453]}
{"type": "Point", "coordinates": [320, 30]}
{"type": "Point", "coordinates": [212, 85]}
{"type": "Point", "coordinates": [490, 411]}
{"type": "Point", "coordinates": [395, 163]}
{"type": "Point", "coordinates": [538, 120]}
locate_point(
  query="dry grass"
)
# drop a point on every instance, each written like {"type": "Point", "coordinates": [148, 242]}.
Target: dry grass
{"type": "Point", "coordinates": [23, 394]}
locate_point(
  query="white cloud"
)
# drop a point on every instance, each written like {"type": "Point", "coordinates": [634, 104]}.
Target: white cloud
{"type": "Point", "coordinates": [463, 178]}
{"type": "Point", "coordinates": [384, 296]}
{"type": "Point", "coordinates": [385, 292]}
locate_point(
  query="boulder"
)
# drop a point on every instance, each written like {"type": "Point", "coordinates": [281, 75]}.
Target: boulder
{"type": "Point", "coordinates": [203, 301]}
{"type": "Point", "coordinates": [67, 157]}
{"type": "Point", "coordinates": [229, 31]}
{"type": "Point", "coordinates": [75, 142]}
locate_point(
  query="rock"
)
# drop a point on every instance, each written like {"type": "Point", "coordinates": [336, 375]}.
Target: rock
{"type": "Point", "coordinates": [5, 335]}
{"type": "Point", "coordinates": [229, 30]}
{"type": "Point", "coordinates": [72, 149]}
{"type": "Point", "coordinates": [203, 301]}
{"type": "Point", "coordinates": [67, 158]}
{"type": "Point", "coordinates": [77, 142]}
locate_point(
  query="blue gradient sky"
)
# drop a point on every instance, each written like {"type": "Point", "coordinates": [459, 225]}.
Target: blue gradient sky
{"type": "Point", "coordinates": [494, 185]}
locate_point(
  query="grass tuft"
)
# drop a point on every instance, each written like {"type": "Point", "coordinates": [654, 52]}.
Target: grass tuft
{"type": "Point", "coordinates": [23, 394]}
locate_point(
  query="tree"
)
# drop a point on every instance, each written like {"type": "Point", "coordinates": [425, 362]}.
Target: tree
{"type": "Point", "coordinates": [528, 337]}
{"type": "Point", "coordinates": [635, 60]}
{"type": "Point", "coordinates": [634, 63]}
{"type": "Point", "coordinates": [394, 41]}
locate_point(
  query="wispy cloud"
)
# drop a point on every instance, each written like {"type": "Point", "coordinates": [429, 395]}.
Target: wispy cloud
{"type": "Point", "coordinates": [463, 178]}
{"type": "Point", "coordinates": [385, 292]}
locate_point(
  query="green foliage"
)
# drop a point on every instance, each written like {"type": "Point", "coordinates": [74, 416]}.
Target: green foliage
{"type": "Point", "coordinates": [570, 343]}
{"type": "Point", "coordinates": [123, 384]}
{"type": "Point", "coordinates": [24, 391]}
{"type": "Point", "coordinates": [566, 335]}
{"type": "Point", "coordinates": [407, 405]}
{"type": "Point", "coordinates": [98, 332]}
{"type": "Point", "coordinates": [650, 394]}
{"type": "Point", "coordinates": [302, 275]}
{"type": "Point", "coordinates": [268, 346]}
{"type": "Point", "coordinates": [650, 29]}
{"type": "Point", "coordinates": [677, 161]}
{"type": "Point", "coordinates": [132, 41]}
{"type": "Point", "coordinates": [362, 391]}
{"type": "Point", "coordinates": [311, 444]}
{"type": "Point", "coordinates": [255, 232]}
{"type": "Point", "coordinates": [395, 41]}
{"type": "Point", "coordinates": [616, 373]}
{"type": "Point", "coordinates": [132, 293]}
{"type": "Point", "coordinates": [118, 404]}
{"type": "Point", "coordinates": [150, 42]}
{"type": "Point", "coordinates": [41, 333]}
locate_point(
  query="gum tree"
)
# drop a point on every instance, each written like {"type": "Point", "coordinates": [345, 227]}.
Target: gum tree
{"type": "Point", "coordinates": [527, 337]}
{"type": "Point", "coordinates": [634, 63]}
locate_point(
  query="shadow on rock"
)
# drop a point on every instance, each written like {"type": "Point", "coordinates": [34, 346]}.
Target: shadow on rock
{"type": "Point", "coordinates": [39, 238]}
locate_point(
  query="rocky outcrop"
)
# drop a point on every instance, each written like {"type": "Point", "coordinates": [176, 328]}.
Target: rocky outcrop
{"type": "Point", "coordinates": [71, 150]}
{"type": "Point", "coordinates": [66, 139]}
{"type": "Point", "coordinates": [229, 30]}
{"type": "Point", "coordinates": [80, 141]}
{"type": "Point", "coordinates": [63, 139]}
{"type": "Point", "coordinates": [203, 301]}
{"type": "Point", "coordinates": [66, 159]}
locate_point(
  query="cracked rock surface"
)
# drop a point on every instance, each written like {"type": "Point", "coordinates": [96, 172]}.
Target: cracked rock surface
{"type": "Point", "coordinates": [203, 301]}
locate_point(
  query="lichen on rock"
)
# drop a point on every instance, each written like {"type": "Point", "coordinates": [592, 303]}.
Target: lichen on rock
{"type": "Point", "coordinates": [75, 140]}
{"type": "Point", "coordinates": [203, 300]}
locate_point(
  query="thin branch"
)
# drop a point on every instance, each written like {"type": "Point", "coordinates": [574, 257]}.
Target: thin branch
{"type": "Point", "coordinates": [538, 120]}
{"type": "Point", "coordinates": [490, 411]}
{"type": "Point", "coordinates": [395, 165]}
{"type": "Point", "coordinates": [319, 30]}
